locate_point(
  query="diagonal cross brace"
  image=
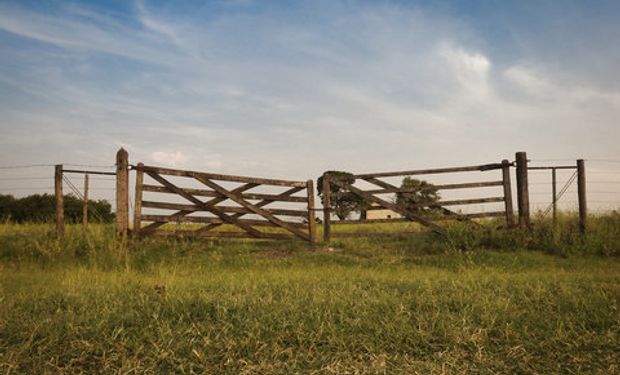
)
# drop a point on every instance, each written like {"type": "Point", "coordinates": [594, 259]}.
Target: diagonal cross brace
{"type": "Point", "coordinates": [394, 189]}
{"type": "Point", "coordinates": [205, 206]}
{"type": "Point", "coordinates": [262, 203]}
{"type": "Point", "coordinates": [151, 227]}
{"type": "Point", "coordinates": [257, 210]}
{"type": "Point", "coordinates": [406, 213]}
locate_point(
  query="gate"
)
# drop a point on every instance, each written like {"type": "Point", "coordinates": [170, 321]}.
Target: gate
{"type": "Point", "coordinates": [335, 186]}
{"type": "Point", "coordinates": [289, 222]}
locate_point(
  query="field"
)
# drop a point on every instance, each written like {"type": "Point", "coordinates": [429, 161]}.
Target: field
{"type": "Point", "coordinates": [482, 301]}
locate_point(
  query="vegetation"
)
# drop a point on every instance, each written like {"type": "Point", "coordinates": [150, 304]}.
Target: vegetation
{"type": "Point", "coordinates": [342, 203]}
{"type": "Point", "coordinates": [424, 193]}
{"type": "Point", "coordinates": [480, 301]}
{"type": "Point", "coordinates": [41, 208]}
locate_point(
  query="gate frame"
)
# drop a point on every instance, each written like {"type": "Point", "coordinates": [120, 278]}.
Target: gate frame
{"type": "Point", "coordinates": [373, 178]}
{"type": "Point", "coordinates": [219, 194]}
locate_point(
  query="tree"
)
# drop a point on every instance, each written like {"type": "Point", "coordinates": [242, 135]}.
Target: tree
{"type": "Point", "coordinates": [345, 203]}
{"type": "Point", "coordinates": [422, 193]}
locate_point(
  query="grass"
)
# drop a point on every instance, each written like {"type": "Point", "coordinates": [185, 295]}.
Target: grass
{"type": "Point", "coordinates": [482, 301]}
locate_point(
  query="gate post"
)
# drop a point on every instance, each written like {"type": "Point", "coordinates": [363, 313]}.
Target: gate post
{"type": "Point", "coordinates": [137, 211]}
{"type": "Point", "coordinates": [311, 218]}
{"type": "Point", "coordinates": [122, 192]}
{"type": "Point", "coordinates": [60, 208]}
{"type": "Point", "coordinates": [507, 193]}
{"type": "Point", "coordinates": [85, 205]}
{"type": "Point", "coordinates": [327, 202]}
{"type": "Point", "coordinates": [581, 191]}
{"type": "Point", "coordinates": [523, 197]}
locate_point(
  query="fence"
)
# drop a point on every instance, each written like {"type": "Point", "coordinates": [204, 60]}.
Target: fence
{"type": "Point", "coordinates": [249, 211]}
{"type": "Point", "coordinates": [335, 186]}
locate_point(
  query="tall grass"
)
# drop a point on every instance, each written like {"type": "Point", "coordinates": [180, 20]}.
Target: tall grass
{"type": "Point", "coordinates": [481, 301]}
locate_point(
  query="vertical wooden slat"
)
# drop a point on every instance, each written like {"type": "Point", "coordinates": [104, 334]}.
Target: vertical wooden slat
{"type": "Point", "coordinates": [523, 198]}
{"type": "Point", "coordinates": [507, 193]}
{"type": "Point", "coordinates": [122, 192]}
{"type": "Point", "coordinates": [554, 188]}
{"type": "Point", "coordinates": [581, 191]}
{"type": "Point", "coordinates": [60, 209]}
{"type": "Point", "coordinates": [85, 205]}
{"type": "Point", "coordinates": [311, 216]}
{"type": "Point", "coordinates": [137, 213]}
{"type": "Point", "coordinates": [327, 230]}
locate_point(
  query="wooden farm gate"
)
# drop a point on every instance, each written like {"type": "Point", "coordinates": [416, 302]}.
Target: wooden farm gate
{"type": "Point", "coordinates": [335, 185]}
{"type": "Point", "coordinates": [291, 222]}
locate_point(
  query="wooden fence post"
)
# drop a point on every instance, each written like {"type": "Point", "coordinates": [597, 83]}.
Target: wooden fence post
{"type": "Point", "coordinates": [326, 209]}
{"type": "Point", "coordinates": [507, 193]}
{"type": "Point", "coordinates": [554, 188]}
{"type": "Point", "coordinates": [523, 197]}
{"type": "Point", "coordinates": [581, 191]}
{"type": "Point", "coordinates": [60, 208]}
{"type": "Point", "coordinates": [122, 192]}
{"type": "Point", "coordinates": [85, 205]}
{"type": "Point", "coordinates": [137, 213]}
{"type": "Point", "coordinates": [311, 216]}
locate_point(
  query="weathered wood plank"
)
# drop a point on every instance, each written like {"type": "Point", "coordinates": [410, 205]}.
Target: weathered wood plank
{"type": "Point", "coordinates": [507, 193]}
{"type": "Point", "coordinates": [191, 233]}
{"type": "Point", "coordinates": [468, 185]}
{"type": "Point", "coordinates": [137, 212]}
{"type": "Point", "coordinates": [326, 208]}
{"type": "Point", "coordinates": [122, 192]}
{"type": "Point", "coordinates": [483, 167]}
{"type": "Point", "coordinates": [221, 177]}
{"type": "Point", "coordinates": [459, 202]}
{"type": "Point", "coordinates": [210, 193]}
{"type": "Point", "coordinates": [212, 220]}
{"type": "Point", "coordinates": [253, 208]}
{"type": "Point", "coordinates": [60, 206]}
{"type": "Point", "coordinates": [311, 218]}
{"type": "Point", "coordinates": [229, 209]}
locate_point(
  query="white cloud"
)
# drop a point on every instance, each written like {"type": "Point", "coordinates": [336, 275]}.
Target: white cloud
{"type": "Point", "coordinates": [173, 159]}
{"type": "Point", "coordinates": [471, 69]}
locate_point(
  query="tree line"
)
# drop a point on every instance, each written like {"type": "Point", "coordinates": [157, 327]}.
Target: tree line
{"type": "Point", "coordinates": [42, 208]}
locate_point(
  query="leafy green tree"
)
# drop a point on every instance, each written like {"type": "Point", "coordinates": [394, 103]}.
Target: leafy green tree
{"type": "Point", "coordinates": [422, 193]}
{"type": "Point", "coordinates": [343, 204]}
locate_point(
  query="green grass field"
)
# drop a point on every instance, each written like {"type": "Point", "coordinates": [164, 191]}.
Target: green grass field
{"type": "Point", "coordinates": [541, 302]}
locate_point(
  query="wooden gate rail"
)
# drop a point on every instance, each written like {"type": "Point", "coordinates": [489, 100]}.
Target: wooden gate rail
{"type": "Point", "coordinates": [372, 197]}
{"type": "Point", "coordinates": [247, 203]}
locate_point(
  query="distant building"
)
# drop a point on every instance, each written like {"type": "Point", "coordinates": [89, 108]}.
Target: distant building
{"type": "Point", "coordinates": [374, 214]}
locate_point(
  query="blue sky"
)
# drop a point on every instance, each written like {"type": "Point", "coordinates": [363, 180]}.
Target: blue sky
{"type": "Point", "coordinates": [290, 89]}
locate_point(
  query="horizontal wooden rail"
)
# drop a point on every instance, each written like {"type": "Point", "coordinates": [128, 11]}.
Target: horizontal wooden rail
{"type": "Point", "coordinates": [459, 202]}
{"type": "Point", "coordinates": [374, 234]}
{"type": "Point", "coordinates": [548, 168]}
{"type": "Point", "coordinates": [88, 172]}
{"type": "Point", "coordinates": [234, 209]}
{"type": "Point", "coordinates": [191, 233]}
{"type": "Point", "coordinates": [477, 215]}
{"type": "Point", "coordinates": [211, 220]}
{"type": "Point", "coordinates": [211, 193]}
{"type": "Point", "coordinates": [221, 177]}
{"type": "Point", "coordinates": [483, 167]}
{"type": "Point", "coordinates": [430, 188]}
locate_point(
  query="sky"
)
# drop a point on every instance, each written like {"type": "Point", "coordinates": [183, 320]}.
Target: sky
{"type": "Point", "coordinates": [289, 89]}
